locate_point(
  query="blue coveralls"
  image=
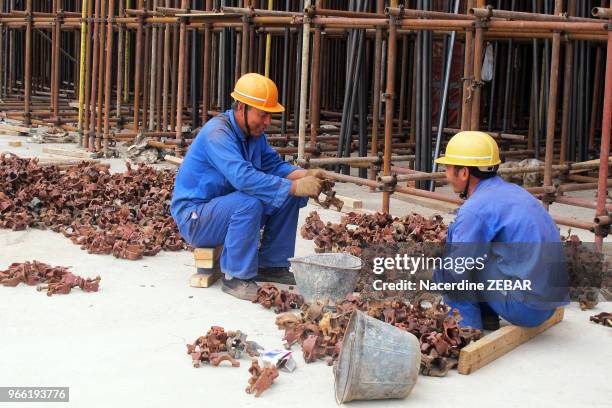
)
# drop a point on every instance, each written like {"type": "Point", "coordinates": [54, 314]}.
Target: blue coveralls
{"type": "Point", "coordinates": [227, 189]}
{"type": "Point", "coordinates": [523, 243]}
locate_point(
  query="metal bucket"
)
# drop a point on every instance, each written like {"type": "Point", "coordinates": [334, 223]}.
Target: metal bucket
{"type": "Point", "coordinates": [329, 276]}
{"type": "Point", "coordinates": [377, 361]}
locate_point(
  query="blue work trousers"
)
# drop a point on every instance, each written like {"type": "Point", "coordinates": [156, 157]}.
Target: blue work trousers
{"type": "Point", "coordinates": [235, 220]}
{"type": "Point", "coordinates": [510, 310]}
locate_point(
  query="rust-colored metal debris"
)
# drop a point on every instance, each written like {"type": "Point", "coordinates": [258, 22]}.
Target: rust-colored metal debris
{"type": "Point", "coordinates": [357, 230]}
{"type": "Point", "coordinates": [261, 378]}
{"type": "Point", "coordinates": [218, 346]}
{"type": "Point", "coordinates": [378, 235]}
{"type": "Point", "coordinates": [320, 332]}
{"type": "Point", "coordinates": [217, 358]}
{"type": "Point", "coordinates": [269, 296]}
{"type": "Point", "coordinates": [330, 196]}
{"type": "Point", "coordinates": [603, 318]}
{"type": "Point", "coordinates": [124, 214]}
{"type": "Point", "coordinates": [53, 279]}
{"type": "Point", "coordinates": [587, 270]}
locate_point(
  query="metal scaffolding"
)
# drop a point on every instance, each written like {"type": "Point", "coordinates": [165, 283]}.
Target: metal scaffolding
{"type": "Point", "coordinates": [366, 83]}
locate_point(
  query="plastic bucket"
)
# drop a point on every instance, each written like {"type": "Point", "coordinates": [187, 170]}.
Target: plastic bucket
{"type": "Point", "coordinates": [377, 361]}
{"type": "Point", "coordinates": [328, 276]}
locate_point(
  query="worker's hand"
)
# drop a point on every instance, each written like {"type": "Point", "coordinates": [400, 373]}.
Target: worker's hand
{"type": "Point", "coordinates": [318, 173]}
{"type": "Point", "coordinates": [308, 186]}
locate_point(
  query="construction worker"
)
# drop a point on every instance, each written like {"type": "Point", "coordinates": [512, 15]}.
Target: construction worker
{"type": "Point", "coordinates": [232, 184]}
{"type": "Point", "coordinates": [517, 240]}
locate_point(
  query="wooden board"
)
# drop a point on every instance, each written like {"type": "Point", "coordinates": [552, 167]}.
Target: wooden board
{"type": "Point", "coordinates": [350, 202]}
{"type": "Point", "coordinates": [494, 345]}
{"type": "Point", "coordinates": [173, 159]}
{"type": "Point", "coordinates": [426, 202]}
{"type": "Point", "coordinates": [204, 280]}
{"type": "Point", "coordinates": [365, 211]}
{"type": "Point", "coordinates": [70, 153]}
{"type": "Point", "coordinates": [207, 266]}
{"type": "Point", "coordinates": [14, 144]}
{"type": "Point", "coordinates": [203, 253]}
{"type": "Point", "coordinates": [5, 127]}
{"type": "Point", "coordinates": [204, 263]}
{"type": "Point", "coordinates": [56, 161]}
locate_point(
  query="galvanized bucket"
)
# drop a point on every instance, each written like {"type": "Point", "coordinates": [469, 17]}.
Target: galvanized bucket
{"type": "Point", "coordinates": [377, 361]}
{"type": "Point", "coordinates": [328, 276]}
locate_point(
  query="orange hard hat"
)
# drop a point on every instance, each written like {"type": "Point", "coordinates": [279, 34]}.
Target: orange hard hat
{"type": "Point", "coordinates": [257, 91]}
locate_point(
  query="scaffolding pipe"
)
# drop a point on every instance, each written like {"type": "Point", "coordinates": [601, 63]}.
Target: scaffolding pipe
{"type": "Point", "coordinates": [304, 83]}
{"type": "Point", "coordinates": [602, 193]}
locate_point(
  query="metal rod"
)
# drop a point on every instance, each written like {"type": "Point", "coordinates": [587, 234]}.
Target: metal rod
{"type": "Point", "coordinates": [552, 105]}
{"type": "Point", "coordinates": [443, 104]}
{"type": "Point", "coordinates": [181, 79]}
{"type": "Point", "coordinates": [304, 83]}
{"type": "Point", "coordinates": [606, 130]}
{"type": "Point", "coordinates": [389, 93]}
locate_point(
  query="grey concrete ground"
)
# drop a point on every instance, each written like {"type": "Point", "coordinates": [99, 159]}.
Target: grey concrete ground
{"type": "Point", "coordinates": [125, 345]}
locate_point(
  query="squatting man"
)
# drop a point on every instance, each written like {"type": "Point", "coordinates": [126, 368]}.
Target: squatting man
{"type": "Point", "coordinates": [512, 228]}
{"type": "Point", "coordinates": [232, 184]}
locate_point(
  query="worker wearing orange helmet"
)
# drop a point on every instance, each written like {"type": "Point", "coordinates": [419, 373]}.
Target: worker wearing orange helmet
{"type": "Point", "coordinates": [232, 184]}
{"type": "Point", "coordinates": [523, 269]}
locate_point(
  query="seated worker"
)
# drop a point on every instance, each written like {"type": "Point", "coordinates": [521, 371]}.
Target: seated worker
{"type": "Point", "coordinates": [512, 229]}
{"type": "Point", "coordinates": [232, 184]}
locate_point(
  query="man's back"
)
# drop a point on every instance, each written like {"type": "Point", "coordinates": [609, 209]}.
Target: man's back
{"type": "Point", "coordinates": [521, 239]}
{"type": "Point", "coordinates": [508, 214]}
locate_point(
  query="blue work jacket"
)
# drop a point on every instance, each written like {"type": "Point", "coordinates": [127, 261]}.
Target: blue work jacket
{"type": "Point", "coordinates": [521, 240]}
{"type": "Point", "coordinates": [221, 160]}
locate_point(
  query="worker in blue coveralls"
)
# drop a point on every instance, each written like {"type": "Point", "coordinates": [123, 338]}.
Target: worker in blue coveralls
{"type": "Point", "coordinates": [508, 228]}
{"type": "Point", "coordinates": [232, 184]}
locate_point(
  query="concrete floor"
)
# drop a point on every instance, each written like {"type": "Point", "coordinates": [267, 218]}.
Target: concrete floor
{"type": "Point", "coordinates": [125, 345]}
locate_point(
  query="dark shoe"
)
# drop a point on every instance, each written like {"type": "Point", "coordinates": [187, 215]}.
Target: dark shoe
{"type": "Point", "coordinates": [275, 274]}
{"type": "Point", "coordinates": [242, 289]}
{"type": "Point", "coordinates": [490, 322]}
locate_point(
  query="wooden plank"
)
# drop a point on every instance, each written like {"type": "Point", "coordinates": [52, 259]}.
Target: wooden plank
{"type": "Point", "coordinates": [10, 133]}
{"type": "Point", "coordinates": [14, 144]}
{"type": "Point", "coordinates": [350, 202]}
{"type": "Point", "coordinates": [204, 263]}
{"type": "Point", "coordinates": [203, 253]}
{"type": "Point", "coordinates": [209, 270]}
{"type": "Point", "coordinates": [345, 209]}
{"type": "Point", "coordinates": [494, 345]}
{"type": "Point", "coordinates": [365, 211]}
{"type": "Point", "coordinates": [66, 163]}
{"type": "Point", "coordinates": [12, 128]}
{"type": "Point", "coordinates": [204, 279]}
{"type": "Point", "coordinates": [173, 159]}
{"type": "Point", "coordinates": [426, 202]}
{"type": "Point", "coordinates": [70, 153]}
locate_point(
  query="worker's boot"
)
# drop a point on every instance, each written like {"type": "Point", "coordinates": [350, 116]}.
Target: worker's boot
{"type": "Point", "coordinates": [275, 274]}
{"type": "Point", "coordinates": [490, 321]}
{"type": "Point", "coordinates": [242, 289]}
{"type": "Point", "coordinates": [488, 316]}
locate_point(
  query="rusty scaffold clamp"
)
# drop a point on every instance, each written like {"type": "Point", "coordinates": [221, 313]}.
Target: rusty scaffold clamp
{"type": "Point", "coordinates": [388, 183]}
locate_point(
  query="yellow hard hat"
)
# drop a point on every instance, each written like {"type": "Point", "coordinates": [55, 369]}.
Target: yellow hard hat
{"type": "Point", "coordinates": [471, 149]}
{"type": "Point", "coordinates": [257, 91]}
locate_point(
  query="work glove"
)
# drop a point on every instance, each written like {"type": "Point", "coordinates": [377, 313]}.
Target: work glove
{"type": "Point", "coordinates": [308, 186]}
{"type": "Point", "coordinates": [318, 173]}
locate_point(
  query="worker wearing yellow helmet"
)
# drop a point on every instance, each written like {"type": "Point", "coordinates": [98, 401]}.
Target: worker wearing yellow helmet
{"type": "Point", "coordinates": [232, 184]}
{"type": "Point", "coordinates": [511, 237]}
